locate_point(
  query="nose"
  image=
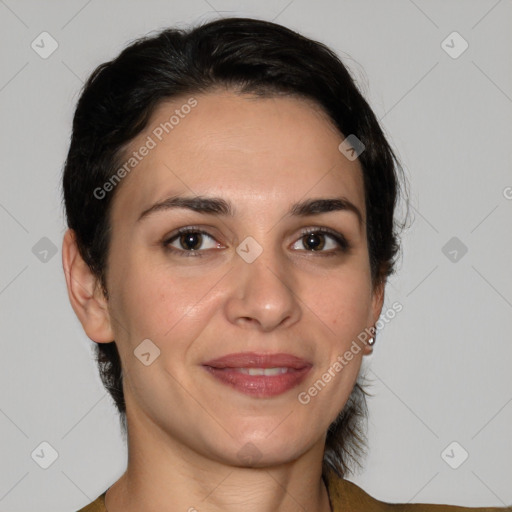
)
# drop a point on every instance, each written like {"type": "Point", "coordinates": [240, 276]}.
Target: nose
{"type": "Point", "coordinates": [262, 294]}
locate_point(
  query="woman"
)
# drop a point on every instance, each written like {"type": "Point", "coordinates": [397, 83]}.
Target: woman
{"type": "Point", "coordinates": [230, 198]}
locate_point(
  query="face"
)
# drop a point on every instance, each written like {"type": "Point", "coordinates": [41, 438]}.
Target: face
{"type": "Point", "coordinates": [253, 282]}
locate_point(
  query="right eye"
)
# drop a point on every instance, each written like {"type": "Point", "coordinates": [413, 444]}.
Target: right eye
{"type": "Point", "coordinates": [190, 241]}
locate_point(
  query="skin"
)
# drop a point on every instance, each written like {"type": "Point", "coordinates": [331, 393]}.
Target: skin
{"type": "Point", "coordinates": [186, 430]}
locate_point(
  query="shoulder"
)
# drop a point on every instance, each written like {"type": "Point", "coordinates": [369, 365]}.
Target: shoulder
{"type": "Point", "coordinates": [346, 496]}
{"type": "Point", "coordinates": [98, 505]}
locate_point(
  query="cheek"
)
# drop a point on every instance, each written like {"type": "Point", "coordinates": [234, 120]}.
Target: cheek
{"type": "Point", "coordinates": [154, 301]}
{"type": "Point", "coordinates": [342, 303]}
{"type": "Point", "coordinates": [139, 300]}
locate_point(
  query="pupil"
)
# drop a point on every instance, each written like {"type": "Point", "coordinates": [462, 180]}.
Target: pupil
{"type": "Point", "coordinates": [314, 241]}
{"type": "Point", "coordinates": [191, 240]}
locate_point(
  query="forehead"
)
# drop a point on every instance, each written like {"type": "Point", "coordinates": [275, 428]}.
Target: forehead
{"type": "Point", "coordinates": [277, 150]}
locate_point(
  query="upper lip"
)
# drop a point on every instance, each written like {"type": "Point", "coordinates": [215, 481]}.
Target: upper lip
{"type": "Point", "coordinates": [255, 360]}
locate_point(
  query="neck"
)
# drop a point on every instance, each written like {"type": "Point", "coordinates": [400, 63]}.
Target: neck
{"type": "Point", "coordinates": [164, 475]}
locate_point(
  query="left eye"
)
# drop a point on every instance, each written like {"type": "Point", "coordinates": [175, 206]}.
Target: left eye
{"type": "Point", "coordinates": [318, 241]}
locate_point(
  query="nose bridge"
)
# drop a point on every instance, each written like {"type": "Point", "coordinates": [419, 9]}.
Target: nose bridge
{"type": "Point", "coordinates": [263, 286]}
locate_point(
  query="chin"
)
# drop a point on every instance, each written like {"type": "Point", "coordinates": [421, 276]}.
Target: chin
{"type": "Point", "coordinates": [259, 451]}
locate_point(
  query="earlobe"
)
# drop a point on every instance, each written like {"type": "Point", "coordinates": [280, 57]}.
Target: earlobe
{"type": "Point", "coordinates": [367, 348]}
{"type": "Point", "coordinates": [377, 304]}
{"type": "Point", "coordinates": [378, 300]}
{"type": "Point", "coordinates": [85, 294]}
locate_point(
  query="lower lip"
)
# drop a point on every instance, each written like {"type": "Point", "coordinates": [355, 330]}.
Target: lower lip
{"type": "Point", "coordinates": [261, 386]}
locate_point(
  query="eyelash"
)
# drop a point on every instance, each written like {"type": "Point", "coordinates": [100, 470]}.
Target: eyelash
{"type": "Point", "coordinates": [344, 245]}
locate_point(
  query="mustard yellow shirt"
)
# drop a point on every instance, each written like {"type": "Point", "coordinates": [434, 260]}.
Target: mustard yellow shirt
{"type": "Point", "coordinates": [345, 496]}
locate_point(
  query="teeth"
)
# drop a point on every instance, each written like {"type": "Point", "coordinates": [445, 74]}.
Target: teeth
{"type": "Point", "coordinates": [263, 371]}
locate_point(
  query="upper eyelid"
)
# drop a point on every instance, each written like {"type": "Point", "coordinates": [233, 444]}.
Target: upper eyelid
{"type": "Point", "coordinates": [187, 229]}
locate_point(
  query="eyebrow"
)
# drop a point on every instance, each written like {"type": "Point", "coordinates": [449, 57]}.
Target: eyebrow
{"type": "Point", "coordinates": [219, 206]}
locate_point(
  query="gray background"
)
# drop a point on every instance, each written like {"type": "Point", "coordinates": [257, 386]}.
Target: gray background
{"type": "Point", "coordinates": [441, 369]}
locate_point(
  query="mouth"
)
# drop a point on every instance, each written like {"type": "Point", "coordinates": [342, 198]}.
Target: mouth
{"type": "Point", "coordinates": [259, 375]}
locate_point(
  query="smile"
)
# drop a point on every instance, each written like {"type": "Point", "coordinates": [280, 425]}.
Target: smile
{"type": "Point", "coordinates": [259, 375]}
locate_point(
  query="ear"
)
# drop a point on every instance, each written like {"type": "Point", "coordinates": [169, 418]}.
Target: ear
{"type": "Point", "coordinates": [377, 304]}
{"type": "Point", "coordinates": [85, 293]}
